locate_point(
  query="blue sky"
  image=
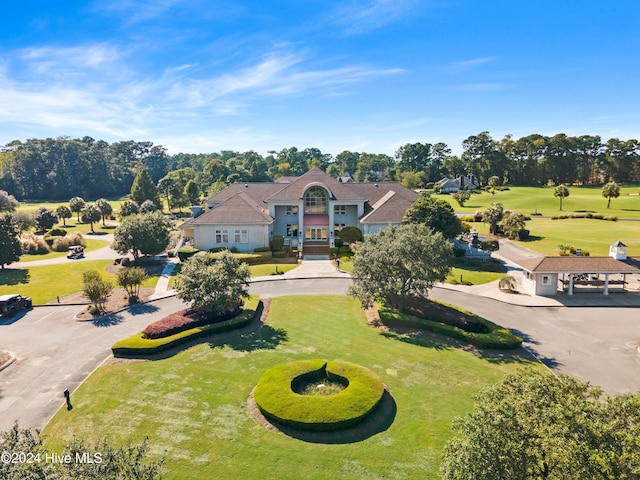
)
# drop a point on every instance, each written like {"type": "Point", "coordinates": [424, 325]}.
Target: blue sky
{"type": "Point", "coordinates": [363, 75]}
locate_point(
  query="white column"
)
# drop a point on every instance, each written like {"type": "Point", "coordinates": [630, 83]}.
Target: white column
{"type": "Point", "coordinates": [570, 284]}
{"type": "Point", "coordinates": [606, 284]}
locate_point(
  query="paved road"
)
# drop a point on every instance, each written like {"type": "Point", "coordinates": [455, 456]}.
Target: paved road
{"type": "Point", "coordinates": [53, 352]}
{"type": "Point", "coordinates": [596, 344]}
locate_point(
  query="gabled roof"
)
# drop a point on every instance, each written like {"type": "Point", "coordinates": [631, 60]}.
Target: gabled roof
{"type": "Point", "coordinates": [237, 209]}
{"type": "Point", "coordinates": [567, 264]}
{"type": "Point", "coordinates": [293, 191]}
{"type": "Point", "coordinates": [257, 192]}
{"type": "Point", "coordinates": [388, 209]}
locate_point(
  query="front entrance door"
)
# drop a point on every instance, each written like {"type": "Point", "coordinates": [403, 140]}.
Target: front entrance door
{"type": "Point", "coordinates": [315, 233]}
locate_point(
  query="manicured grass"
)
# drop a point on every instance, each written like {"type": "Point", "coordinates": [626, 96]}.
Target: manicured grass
{"type": "Point", "coordinates": [192, 406]}
{"type": "Point", "coordinates": [270, 268]}
{"type": "Point", "coordinates": [476, 277]}
{"type": "Point", "coordinates": [91, 244]}
{"type": "Point", "coordinates": [530, 200]}
{"type": "Point", "coordinates": [44, 283]}
{"type": "Point", "coordinates": [594, 236]}
{"type": "Point", "coordinates": [31, 207]}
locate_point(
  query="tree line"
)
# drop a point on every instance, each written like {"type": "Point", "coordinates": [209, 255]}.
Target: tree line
{"type": "Point", "coordinates": [61, 168]}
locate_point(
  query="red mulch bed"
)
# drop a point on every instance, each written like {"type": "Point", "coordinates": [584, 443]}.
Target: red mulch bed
{"type": "Point", "coordinates": [184, 320]}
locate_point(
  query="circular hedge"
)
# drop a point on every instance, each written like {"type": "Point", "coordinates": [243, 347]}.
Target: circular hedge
{"type": "Point", "coordinates": [275, 396]}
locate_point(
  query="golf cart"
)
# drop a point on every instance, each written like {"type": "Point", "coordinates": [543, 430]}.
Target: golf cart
{"type": "Point", "coordinates": [76, 251]}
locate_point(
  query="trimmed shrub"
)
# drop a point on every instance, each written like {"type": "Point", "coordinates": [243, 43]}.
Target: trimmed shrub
{"type": "Point", "coordinates": [250, 258]}
{"type": "Point", "coordinates": [497, 337]}
{"type": "Point", "coordinates": [279, 254]}
{"type": "Point", "coordinates": [523, 234]}
{"type": "Point", "coordinates": [261, 249]}
{"type": "Point", "coordinates": [186, 252]}
{"type": "Point", "coordinates": [277, 243]}
{"type": "Point", "coordinates": [490, 245]}
{"type": "Point", "coordinates": [184, 320]}
{"type": "Point", "coordinates": [137, 345]}
{"type": "Point", "coordinates": [277, 400]}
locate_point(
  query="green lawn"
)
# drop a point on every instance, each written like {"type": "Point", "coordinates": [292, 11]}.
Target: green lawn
{"type": "Point", "coordinates": [44, 283]}
{"type": "Point", "coordinates": [530, 200]}
{"type": "Point", "coordinates": [192, 406]}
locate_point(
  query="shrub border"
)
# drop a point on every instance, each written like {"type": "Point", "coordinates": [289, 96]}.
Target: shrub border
{"type": "Point", "coordinates": [279, 403]}
{"type": "Point", "coordinates": [498, 338]}
{"type": "Point", "coordinates": [137, 345]}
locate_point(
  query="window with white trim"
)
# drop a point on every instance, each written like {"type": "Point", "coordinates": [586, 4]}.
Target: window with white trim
{"type": "Point", "coordinates": [222, 236]}
{"type": "Point", "coordinates": [337, 227]}
{"type": "Point", "coordinates": [241, 236]}
{"type": "Point", "coordinates": [546, 280]}
{"type": "Point", "coordinates": [292, 229]}
{"type": "Point", "coordinates": [291, 210]}
{"type": "Point", "coordinates": [339, 209]}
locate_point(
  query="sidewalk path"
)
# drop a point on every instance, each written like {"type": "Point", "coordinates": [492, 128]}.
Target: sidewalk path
{"type": "Point", "coordinates": [162, 287]}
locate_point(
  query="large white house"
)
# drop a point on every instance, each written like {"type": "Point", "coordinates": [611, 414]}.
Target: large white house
{"type": "Point", "coordinates": [308, 211]}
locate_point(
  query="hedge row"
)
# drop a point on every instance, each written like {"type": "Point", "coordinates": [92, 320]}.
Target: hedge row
{"type": "Point", "coordinates": [278, 402]}
{"type": "Point", "coordinates": [597, 216]}
{"type": "Point", "coordinates": [139, 346]}
{"type": "Point", "coordinates": [497, 337]}
{"type": "Point", "coordinates": [184, 320]}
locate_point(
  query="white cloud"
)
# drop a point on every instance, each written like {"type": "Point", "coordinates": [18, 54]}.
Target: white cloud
{"type": "Point", "coordinates": [466, 65]}
{"type": "Point", "coordinates": [365, 16]}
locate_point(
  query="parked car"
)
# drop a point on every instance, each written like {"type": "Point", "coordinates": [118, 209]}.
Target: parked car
{"type": "Point", "coordinates": [9, 304]}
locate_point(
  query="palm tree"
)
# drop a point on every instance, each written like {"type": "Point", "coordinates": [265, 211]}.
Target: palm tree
{"type": "Point", "coordinates": [561, 191]}
{"type": "Point", "coordinates": [610, 190]}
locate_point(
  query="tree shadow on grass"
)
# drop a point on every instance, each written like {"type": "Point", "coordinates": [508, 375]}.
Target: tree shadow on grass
{"type": "Point", "coordinates": [532, 238]}
{"type": "Point", "coordinates": [420, 338]}
{"type": "Point", "coordinates": [427, 339]}
{"type": "Point", "coordinates": [378, 421]}
{"type": "Point", "coordinates": [14, 276]}
{"type": "Point", "coordinates": [264, 338]}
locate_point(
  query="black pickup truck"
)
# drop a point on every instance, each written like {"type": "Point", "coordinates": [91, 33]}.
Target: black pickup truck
{"type": "Point", "coordinates": [9, 304]}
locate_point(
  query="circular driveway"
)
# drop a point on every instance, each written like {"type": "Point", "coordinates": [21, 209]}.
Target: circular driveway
{"type": "Point", "coordinates": [54, 352]}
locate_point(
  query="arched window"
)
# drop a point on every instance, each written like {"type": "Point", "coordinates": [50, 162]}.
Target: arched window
{"type": "Point", "coordinates": [315, 200]}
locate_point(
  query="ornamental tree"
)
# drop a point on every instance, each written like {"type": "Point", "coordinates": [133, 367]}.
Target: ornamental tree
{"type": "Point", "coordinates": [76, 204]}
{"type": "Point", "coordinates": [10, 249]}
{"type": "Point", "coordinates": [130, 279]}
{"type": "Point", "coordinates": [142, 234]}
{"type": "Point", "coordinates": [492, 216]}
{"type": "Point", "coordinates": [436, 214]}
{"type": "Point", "coordinates": [609, 191]}
{"type": "Point", "coordinates": [535, 425]}
{"type": "Point", "coordinates": [63, 212]}
{"type": "Point", "coordinates": [129, 207]}
{"type": "Point", "coordinates": [45, 218]}
{"type": "Point", "coordinates": [213, 284]}
{"type": "Point", "coordinates": [104, 207]}
{"type": "Point", "coordinates": [512, 224]}
{"type": "Point", "coordinates": [90, 215]}
{"type": "Point", "coordinates": [461, 196]}
{"type": "Point", "coordinates": [96, 288]}
{"type": "Point", "coordinates": [399, 262]}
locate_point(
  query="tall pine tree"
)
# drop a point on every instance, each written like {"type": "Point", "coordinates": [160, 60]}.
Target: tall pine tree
{"type": "Point", "coordinates": [144, 189]}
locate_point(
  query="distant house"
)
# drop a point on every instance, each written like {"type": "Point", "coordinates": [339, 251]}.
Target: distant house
{"type": "Point", "coordinates": [463, 182]}
{"type": "Point", "coordinates": [308, 211]}
{"type": "Point", "coordinates": [346, 178]}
